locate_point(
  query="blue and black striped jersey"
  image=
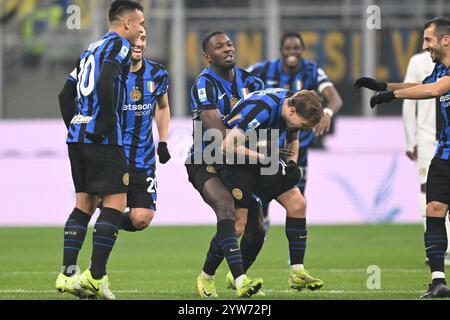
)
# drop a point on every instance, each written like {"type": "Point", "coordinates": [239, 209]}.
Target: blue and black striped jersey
{"type": "Point", "coordinates": [143, 87]}
{"type": "Point", "coordinates": [309, 76]}
{"type": "Point", "coordinates": [443, 148]}
{"type": "Point", "coordinates": [210, 91]}
{"type": "Point", "coordinates": [110, 48]}
{"type": "Point", "coordinates": [260, 110]}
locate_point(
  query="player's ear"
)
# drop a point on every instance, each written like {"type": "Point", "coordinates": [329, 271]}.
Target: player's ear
{"type": "Point", "coordinates": [127, 22]}
{"type": "Point", "coordinates": [446, 40]}
{"type": "Point", "coordinates": [207, 57]}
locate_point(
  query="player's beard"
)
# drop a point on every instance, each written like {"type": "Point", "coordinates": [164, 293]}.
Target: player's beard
{"type": "Point", "coordinates": [437, 57]}
{"type": "Point", "coordinates": [135, 61]}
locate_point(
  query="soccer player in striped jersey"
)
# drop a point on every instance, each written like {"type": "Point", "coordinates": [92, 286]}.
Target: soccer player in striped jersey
{"type": "Point", "coordinates": [422, 122]}
{"type": "Point", "coordinates": [279, 109]}
{"type": "Point", "coordinates": [215, 91]}
{"type": "Point", "coordinates": [97, 158]}
{"type": "Point", "coordinates": [147, 98]}
{"type": "Point", "coordinates": [436, 40]}
{"type": "Point", "coordinates": [295, 73]}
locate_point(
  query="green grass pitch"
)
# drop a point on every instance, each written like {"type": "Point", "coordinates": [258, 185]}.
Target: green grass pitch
{"type": "Point", "coordinates": [163, 262]}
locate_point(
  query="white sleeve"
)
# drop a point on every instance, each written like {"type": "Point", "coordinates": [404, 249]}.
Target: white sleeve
{"type": "Point", "coordinates": [409, 108]}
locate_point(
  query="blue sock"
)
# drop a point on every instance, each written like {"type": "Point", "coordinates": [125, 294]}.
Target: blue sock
{"type": "Point", "coordinates": [74, 234]}
{"type": "Point", "coordinates": [226, 235]}
{"type": "Point", "coordinates": [296, 234]}
{"type": "Point", "coordinates": [214, 257]}
{"type": "Point", "coordinates": [436, 243]}
{"type": "Point", "coordinates": [105, 235]}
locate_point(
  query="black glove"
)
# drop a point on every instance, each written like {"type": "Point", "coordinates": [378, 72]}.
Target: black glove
{"type": "Point", "coordinates": [163, 152]}
{"type": "Point", "coordinates": [381, 97]}
{"type": "Point", "coordinates": [101, 133]}
{"type": "Point", "coordinates": [371, 84]}
{"type": "Point", "coordinates": [293, 173]}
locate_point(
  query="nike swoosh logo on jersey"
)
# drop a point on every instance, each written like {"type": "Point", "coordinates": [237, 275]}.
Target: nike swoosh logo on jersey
{"type": "Point", "coordinates": [271, 82]}
{"type": "Point", "coordinates": [431, 247]}
{"type": "Point", "coordinates": [303, 237]}
{"type": "Point", "coordinates": [233, 250]}
{"type": "Point", "coordinates": [220, 97]}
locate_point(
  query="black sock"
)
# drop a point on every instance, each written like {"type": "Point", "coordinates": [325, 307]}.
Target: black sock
{"type": "Point", "coordinates": [226, 235]}
{"type": "Point", "coordinates": [105, 235]}
{"type": "Point", "coordinates": [74, 234]}
{"type": "Point", "coordinates": [296, 234]}
{"type": "Point", "coordinates": [251, 245]}
{"type": "Point", "coordinates": [126, 223]}
{"type": "Point", "coordinates": [214, 257]}
{"type": "Point", "coordinates": [436, 243]}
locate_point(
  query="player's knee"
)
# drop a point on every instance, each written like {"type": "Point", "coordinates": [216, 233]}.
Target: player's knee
{"type": "Point", "coordinates": [225, 209]}
{"type": "Point", "coordinates": [255, 232]}
{"type": "Point", "coordinates": [141, 220]}
{"type": "Point", "coordinates": [115, 201]}
{"type": "Point", "coordinates": [86, 203]}
{"type": "Point", "coordinates": [297, 209]}
{"type": "Point", "coordinates": [436, 209]}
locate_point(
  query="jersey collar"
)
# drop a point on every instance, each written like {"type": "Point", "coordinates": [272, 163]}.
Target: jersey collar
{"type": "Point", "coordinates": [141, 71]}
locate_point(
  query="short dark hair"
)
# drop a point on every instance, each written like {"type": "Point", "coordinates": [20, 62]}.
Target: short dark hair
{"type": "Point", "coordinates": [119, 6]}
{"type": "Point", "coordinates": [294, 34]}
{"type": "Point", "coordinates": [308, 104]}
{"type": "Point", "coordinates": [442, 26]}
{"type": "Point", "coordinates": [208, 37]}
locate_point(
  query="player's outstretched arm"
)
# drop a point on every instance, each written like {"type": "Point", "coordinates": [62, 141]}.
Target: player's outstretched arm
{"type": "Point", "coordinates": [105, 92]}
{"type": "Point", "coordinates": [376, 85]}
{"type": "Point", "coordinates": [162, 118]}
{"type": "Point", "coordinates": [67, 102]}
{"type": "Point", "coordinates": [425, 91]}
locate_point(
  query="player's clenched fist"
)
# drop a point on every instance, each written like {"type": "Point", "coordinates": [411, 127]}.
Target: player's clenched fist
{"type": "Point", "coordinates": [163, 152]}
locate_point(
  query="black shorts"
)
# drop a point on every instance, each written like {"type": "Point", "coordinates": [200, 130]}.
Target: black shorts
{"type": "Point", "coordinates": [238, 180]}
{"type": "Point", "coordinates": [269, 187]}
{"type": "Point", "coordinates": [438, 181]}
{"type": "Point", "coordinates": [98, 169]}
{"type": "Point", "coordinates": [143, 188]}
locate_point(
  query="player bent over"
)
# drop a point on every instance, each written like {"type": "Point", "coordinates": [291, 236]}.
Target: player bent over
{"type": "Point", "coordinates": [216, 90]}
{"type": "Point", "coordinates": [278, 109]}
{"type": "Point", "coordinates": [436, 40]}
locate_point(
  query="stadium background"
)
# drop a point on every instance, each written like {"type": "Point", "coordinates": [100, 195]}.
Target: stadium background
{"type": "Point", "coordinates": [362, 176]}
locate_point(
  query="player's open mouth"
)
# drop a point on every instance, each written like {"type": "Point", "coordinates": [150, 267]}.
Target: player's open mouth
{"type": "Point", "coordinates": [137, 51]}
{"type": "Point", "coordinates": [291, 59]}
{"type": "Point", "coordinates": [229, 58]}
